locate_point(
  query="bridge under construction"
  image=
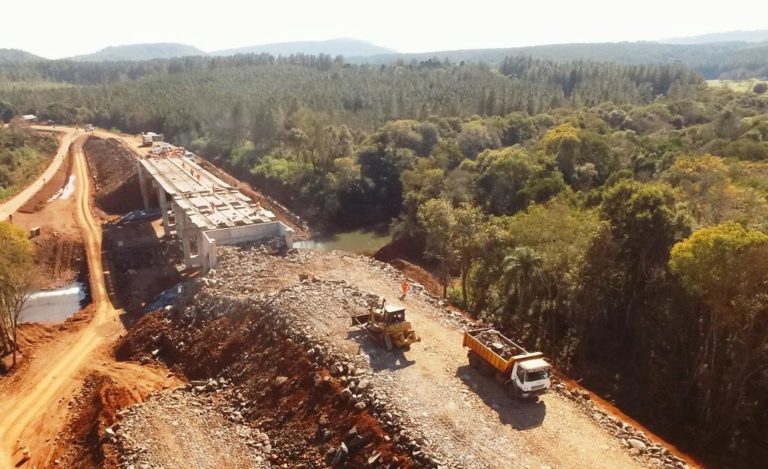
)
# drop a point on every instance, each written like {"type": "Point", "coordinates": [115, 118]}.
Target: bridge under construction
{"type": "Point", "coordinates": [202, 210]}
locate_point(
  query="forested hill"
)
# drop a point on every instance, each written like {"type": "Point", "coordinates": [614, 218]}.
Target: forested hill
{"type": "Point", "coordinates": [712, 60]}
{"type": "Point", "coordinates": [16, 56]}
{"type": "Point", "coordinates": [140, 52]}
{"type": "Point", "coordinates": [730, 36]}
{"type": "Point", "coordinates": [332, 47]}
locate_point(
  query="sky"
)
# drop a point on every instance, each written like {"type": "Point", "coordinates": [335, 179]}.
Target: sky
{"type": "Point", "coordinates": [56, 29]}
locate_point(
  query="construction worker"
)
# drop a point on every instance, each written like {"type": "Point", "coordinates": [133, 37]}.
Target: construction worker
{"type": "Point", "coordinates": [404, 287]}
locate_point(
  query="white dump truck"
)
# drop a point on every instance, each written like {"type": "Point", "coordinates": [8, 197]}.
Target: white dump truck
{"type": "Point", "coordinates": [523, 374]}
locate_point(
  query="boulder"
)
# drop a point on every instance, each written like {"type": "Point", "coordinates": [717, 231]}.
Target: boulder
{"type": "Point", "coordinates": [637, 444]}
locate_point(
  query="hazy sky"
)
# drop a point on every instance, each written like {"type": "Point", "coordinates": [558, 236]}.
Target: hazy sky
{"type": "Point", "coordinates": [59, 28]}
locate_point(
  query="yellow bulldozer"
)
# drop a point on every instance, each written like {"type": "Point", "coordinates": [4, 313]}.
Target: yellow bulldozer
{"type": "Point", "coordinates": [386, 325]}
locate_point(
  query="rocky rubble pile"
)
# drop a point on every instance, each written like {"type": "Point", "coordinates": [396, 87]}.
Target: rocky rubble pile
{"type": "Point", "coordinates": [497, 343]}
{"type": "Point", "coordinates": [636, 441]}
{"type": "Point", "coordinates": [344, 434]}
{"type": "Point", "coordinates": [307, 311]}
{"type": "Point", "coordinates": [240, 265]}
{"type": "Point", "coordinates": [178, 429]}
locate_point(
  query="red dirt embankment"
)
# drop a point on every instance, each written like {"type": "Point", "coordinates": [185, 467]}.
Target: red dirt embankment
{"type": "Point", "coordinates": [98, 402]}
{"type": "Point", "coordinates": [293, 398]}
{"type": "Point", "coordinates": [115, 172]}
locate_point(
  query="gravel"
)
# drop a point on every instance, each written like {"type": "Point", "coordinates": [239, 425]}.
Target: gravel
{"type": "Point", "coordinates": [183, 429]}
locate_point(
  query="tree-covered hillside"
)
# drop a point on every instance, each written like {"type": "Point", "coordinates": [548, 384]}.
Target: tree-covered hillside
{"type": "Point", "coordinates": [16, 56]}
{"type": "Point", "coordinates": [332, 47]}
{"type": "Point", "coordinates": [202, 97]}
{"type": "Point", "coordinates": [138, 52]}
{"type": "Point", "coordinates": [23, 155]}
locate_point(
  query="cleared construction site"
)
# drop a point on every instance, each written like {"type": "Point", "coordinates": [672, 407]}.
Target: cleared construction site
{"type": "Point", "coordinates": [202, 210]}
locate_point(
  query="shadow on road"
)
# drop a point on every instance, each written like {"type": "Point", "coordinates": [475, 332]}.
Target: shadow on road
{"type": "Point", "coordinates": [521, 414]}
{"type": "Point", "coordinates": [379, 358]}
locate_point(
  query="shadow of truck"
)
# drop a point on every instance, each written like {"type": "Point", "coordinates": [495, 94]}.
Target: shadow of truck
{"type": "Point", "coordinates": [521, 414]}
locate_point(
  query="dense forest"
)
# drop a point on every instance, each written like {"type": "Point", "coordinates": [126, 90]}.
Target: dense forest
{"type": "Point", "coordinates": [613, 216]}
{"type": "Point", "coordinates": [23, 155]}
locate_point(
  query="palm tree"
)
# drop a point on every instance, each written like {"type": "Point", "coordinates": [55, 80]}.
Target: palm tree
{"type": "Point", "coordinates": [521, 269]}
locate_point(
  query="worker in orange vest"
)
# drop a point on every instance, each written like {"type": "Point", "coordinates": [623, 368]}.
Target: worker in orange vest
{"type": "Point", "coordinates": [405, 286]}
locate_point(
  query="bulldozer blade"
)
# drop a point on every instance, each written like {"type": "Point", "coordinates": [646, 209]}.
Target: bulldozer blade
{"type": "Point", "coordinates": [360, 319]}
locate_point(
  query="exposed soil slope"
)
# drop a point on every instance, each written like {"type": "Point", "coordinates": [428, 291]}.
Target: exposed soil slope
{"type": "Point", "coordinates": [116, 174]}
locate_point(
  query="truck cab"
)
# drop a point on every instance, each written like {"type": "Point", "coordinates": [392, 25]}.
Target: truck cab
{"type": "Point", "coordinates": [531, 377]}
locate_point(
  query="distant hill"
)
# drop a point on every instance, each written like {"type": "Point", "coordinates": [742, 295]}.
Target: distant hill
{"type": "Point", "coordinates": [140, 52]}
{"type": "Point", "coordinates": [333, 47]}
{"type": "Point", "coordinates": [16, 56]}
{"type": "Point", "coordinates": [730, 36]}
{"type": "Point", "coordinates": [712, 60]}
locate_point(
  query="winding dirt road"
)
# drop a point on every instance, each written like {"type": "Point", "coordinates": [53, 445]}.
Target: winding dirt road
{"type": "Point", "coordinates": [68, 134]}
{"type": "Point", "coordinates": [33, 408]}
{"type": "Point", "coordinates": [23, 412]}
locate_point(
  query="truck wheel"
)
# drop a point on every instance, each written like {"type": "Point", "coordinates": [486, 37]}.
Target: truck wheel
{"type": "Point", "coordinates": [512, 390]}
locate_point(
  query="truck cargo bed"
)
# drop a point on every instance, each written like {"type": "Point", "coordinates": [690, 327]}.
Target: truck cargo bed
{"type": "Point", "coordinates": [483, 342]}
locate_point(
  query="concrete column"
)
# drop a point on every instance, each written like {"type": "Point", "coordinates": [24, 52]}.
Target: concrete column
{"type": "Point", "coordinates": [163, 209]}
{"type": "Point", "coordinates": [191, 260]}
{"type": "Point", "coordinates": [186, 248]}
{"type": "Point", "coordinates": [208, 252]}
{"type": "Point", "coordinates": [143, 186]}
{"type": "Point", "coordinates": [288, 237]}
{"type": "Point", "coordinates": [179, 216]}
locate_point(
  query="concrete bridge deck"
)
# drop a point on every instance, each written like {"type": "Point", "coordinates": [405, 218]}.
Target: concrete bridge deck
{"type": "Point", "coordinates": [202, 210]}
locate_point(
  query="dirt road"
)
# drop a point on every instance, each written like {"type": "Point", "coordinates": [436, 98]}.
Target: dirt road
{"type": "Point", "coordinates": [10, 206]}
{"type": "Point", "coordinates": [31, 408]}
{"type": "Point", "coordinates": [469, 416]}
